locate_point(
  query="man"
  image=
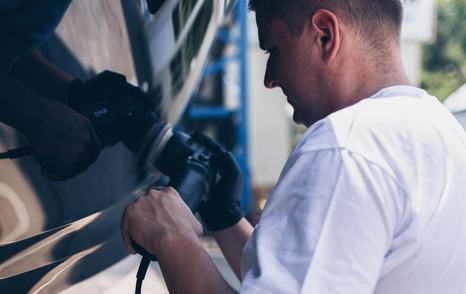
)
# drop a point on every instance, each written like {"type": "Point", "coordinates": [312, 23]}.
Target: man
{"type": "Point", "coordinates": [371, 200]}
{"type": "Point", "coordinates": [35, 93]}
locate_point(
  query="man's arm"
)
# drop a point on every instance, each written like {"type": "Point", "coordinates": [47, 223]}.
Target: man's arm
{"type": "Point", "coordinates": [43, 77]}
{"type": "Point", "coordinates": [222, 212]}
{"type": "Point", "coordinates": [187, 268]}
{"type": "Point", "coordinates": [232, 240]}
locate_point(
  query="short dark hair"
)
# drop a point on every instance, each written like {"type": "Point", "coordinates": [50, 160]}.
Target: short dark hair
{"type": "Point", "coordinates": [367, 15]}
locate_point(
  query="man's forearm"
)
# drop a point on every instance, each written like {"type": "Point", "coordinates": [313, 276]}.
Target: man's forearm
{"type": "Point", "coordinates": [41, 76]}
{"type": "Point", "coordinates": [187, 268]}
{"type": "Point", "coordinates": [17, 103]}
{"type": "Point", "coordinates": [232, 241]}
{"type": "Point", "coordinates": [24, 89]}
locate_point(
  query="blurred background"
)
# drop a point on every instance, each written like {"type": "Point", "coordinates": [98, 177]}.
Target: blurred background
{"type": "Point", "coordinates": [201, 59]}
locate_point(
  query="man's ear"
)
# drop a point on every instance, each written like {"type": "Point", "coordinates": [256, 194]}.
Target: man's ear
{"type": "Point", "coordinates": [327, 26]}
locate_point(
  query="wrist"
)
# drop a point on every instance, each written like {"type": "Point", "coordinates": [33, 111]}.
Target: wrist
{"type": "Point", "coordinates": [216, 219]}
{"type": "Point", "coordinates": [170, 242]}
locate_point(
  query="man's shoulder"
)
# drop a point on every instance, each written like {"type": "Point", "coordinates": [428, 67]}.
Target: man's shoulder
{"type": "Point", "coordinates": [374, 117]}
{"type": "Point", "coordinates": [380, 127]}
{"type": "Point", "coordinates": [321, 135]}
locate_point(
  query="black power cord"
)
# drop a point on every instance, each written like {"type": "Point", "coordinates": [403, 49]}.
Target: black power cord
{"type": "Point", "coordinates": [15, 153]}
{"type": "Point", "coordinates": [142, 270]}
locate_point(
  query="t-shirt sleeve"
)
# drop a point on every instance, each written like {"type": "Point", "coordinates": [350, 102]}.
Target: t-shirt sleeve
{"type": "Point", "coordinates": [326, 227]}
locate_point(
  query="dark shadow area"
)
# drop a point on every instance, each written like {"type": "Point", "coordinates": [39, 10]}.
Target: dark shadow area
{"type": "Point", "coordinates": [74, 244]}
{"type": "Point", "coordinates": [108, 181]}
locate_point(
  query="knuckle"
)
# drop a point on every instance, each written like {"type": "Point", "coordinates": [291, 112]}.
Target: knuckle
{"type": "Point", "coordinates": [151, 191]}
{"type": "Point", "coordinates": [170, 190]}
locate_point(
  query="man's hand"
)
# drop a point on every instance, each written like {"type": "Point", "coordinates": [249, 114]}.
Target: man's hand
{"type": "Point", "coordinates": [62, 140]}
{"type": "Point", "coordinates": [163, 225]}
{"type": "Point", "coordinates": [223, 209]}
{"type": "Point", "coordinates": [160, 219]}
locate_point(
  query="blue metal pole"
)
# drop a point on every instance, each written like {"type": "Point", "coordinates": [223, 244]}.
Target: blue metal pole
{"type": "Point", "coordinates": [243, 126]}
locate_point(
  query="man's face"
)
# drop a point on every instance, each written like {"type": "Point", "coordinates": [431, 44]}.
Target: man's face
{"type": "Point", "coordinates": [296, 66]}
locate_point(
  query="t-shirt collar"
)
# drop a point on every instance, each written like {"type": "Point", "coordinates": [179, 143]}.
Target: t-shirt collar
{"type": "Point", "coordinates": [401, 90]}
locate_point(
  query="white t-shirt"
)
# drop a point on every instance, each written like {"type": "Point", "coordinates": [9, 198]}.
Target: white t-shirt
{"type": "Point", "coordinates": [372, 200]}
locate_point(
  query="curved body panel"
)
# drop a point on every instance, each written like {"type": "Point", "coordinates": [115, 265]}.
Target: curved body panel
{"type": "Point", "coordinates": [54, 235]}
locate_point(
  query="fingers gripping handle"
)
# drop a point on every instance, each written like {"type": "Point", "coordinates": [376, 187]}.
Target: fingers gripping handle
{"type": "Point", "coordinates": [193, 184]}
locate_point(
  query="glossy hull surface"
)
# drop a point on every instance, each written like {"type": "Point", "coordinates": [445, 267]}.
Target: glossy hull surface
{"type": "Point", "coordinates": [54, 235]}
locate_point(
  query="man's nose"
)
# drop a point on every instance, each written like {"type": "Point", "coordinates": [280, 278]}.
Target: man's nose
{"type": "Point", "coordinates": [269, 79]}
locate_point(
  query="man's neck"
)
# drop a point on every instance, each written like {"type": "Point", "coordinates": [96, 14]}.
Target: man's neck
{"type": "Point", "coordinates": [367, 77]}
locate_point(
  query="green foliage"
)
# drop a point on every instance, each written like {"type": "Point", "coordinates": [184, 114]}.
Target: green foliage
{"type": "Point", "coordinates": [444, 62]}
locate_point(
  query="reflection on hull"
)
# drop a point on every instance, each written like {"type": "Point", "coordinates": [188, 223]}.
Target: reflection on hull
{"type": "Point", "coordinates": [64, 256]}
{"type": "Point", "coordinates": [188, 29]}
{"type": "Point", "coordinates": [53, 235]}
